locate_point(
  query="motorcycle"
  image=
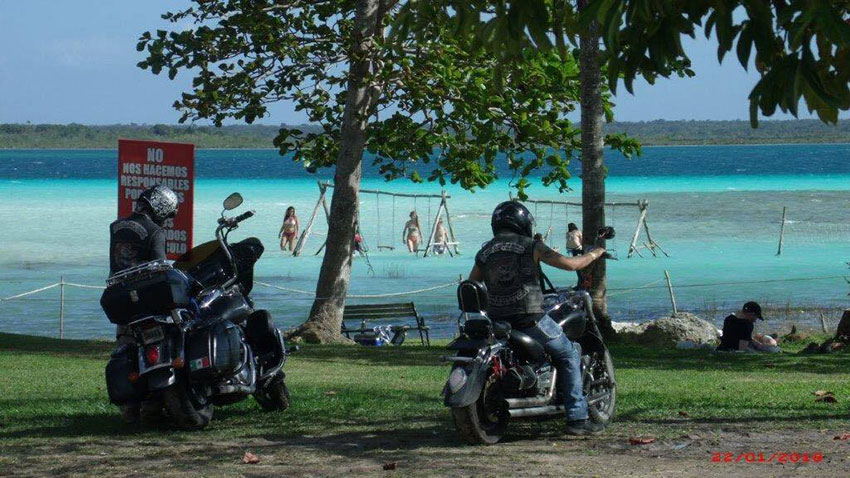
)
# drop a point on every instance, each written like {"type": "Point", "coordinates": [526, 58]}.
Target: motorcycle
{"type": "Point", "coordinates": [198, 340]}
{"type": "Point", "coordinates": [499, 374]}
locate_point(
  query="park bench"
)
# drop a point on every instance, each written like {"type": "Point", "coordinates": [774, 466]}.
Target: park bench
{"type": "Point", "coordinates": [372, 312]}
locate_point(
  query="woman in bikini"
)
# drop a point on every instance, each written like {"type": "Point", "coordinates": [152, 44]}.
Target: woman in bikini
{"type": "Point", "coordinates": [411, 234]}
{"type": "Point", "coordinates": [288, 230]}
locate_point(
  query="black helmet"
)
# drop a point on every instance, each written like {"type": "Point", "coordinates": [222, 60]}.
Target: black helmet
{"type": "Point", "coordinates": [160, 202]}
{"type": "Point", "coordinates": [512, 216]}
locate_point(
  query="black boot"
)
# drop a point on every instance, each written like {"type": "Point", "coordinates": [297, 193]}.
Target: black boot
{"type": "Point", "coordinates": [584, 428]}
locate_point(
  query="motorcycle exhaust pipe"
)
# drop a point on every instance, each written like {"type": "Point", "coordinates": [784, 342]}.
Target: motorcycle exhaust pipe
{"type": "Point", "coordinates": [536, 411]}
{"type": "Point", "coordinates": [535, 401]}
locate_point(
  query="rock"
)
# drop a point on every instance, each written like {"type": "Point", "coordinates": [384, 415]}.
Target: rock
{"type": "Point", "coordinates": [668, 331]}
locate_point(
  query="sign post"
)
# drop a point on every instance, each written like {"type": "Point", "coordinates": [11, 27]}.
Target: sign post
{"type": "Point", "coordinates": [143, 164]}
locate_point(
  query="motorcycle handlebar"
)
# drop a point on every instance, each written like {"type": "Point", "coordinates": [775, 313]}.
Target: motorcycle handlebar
{"type": "Point", "coordinates": [243, 216]}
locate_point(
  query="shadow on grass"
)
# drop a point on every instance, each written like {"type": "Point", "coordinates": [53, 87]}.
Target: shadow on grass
{"type": "Point", "coordinates": [403, 356]}
{"type": "Point", "coordinates": [95, 349]}
{"type": "Point", "coordinates": [646, 358]}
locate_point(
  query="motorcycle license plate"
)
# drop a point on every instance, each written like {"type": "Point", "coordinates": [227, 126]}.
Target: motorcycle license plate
{"type": "Point", "coordinates": [152, 334]}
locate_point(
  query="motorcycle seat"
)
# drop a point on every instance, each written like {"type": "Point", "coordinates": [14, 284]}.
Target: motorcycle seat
{"type": "Point", "coordinates": [501, 330]}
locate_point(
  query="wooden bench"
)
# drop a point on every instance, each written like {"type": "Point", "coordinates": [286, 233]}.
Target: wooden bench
{"type": "Point", "coordinates": [371, 312]}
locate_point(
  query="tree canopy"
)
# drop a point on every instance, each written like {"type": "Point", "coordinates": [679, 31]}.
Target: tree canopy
{"type": "Point", "coordinates": [439, 115]}
{"type": "Point", "coordinates": [801, 48]}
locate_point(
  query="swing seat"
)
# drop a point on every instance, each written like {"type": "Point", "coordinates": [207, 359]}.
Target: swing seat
{"type": "Point", "coordinates": [391, 248]}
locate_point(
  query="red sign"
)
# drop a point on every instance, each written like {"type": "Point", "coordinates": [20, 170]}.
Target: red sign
{"type": "Point", "coordinates": [142, 164]}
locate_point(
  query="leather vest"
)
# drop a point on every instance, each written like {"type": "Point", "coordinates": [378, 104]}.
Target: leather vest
{"type": "Point", "coordinates": [134, 240]}
{"type": "Point", "coordinates": [512, 278]}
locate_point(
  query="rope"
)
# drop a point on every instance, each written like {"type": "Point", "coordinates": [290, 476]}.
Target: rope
{"type": "Point", "coordinates": [711, 284]}
{"type": "Point", "coordinates": [84, 286]}
{"type": "Point", "coordinates": [18, 296]}
{"type": "Point", "coordinates": [648, 285]}
{"type": "Point", "coordinates": [362, 296]}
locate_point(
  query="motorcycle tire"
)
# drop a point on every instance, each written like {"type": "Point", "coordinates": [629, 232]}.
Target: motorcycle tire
{"type": "Point", "coordinates": [186, 411]}
{"type": "Point", "coordinates": [275, 396]}
{"type": "Point", "coordinates": [479, 424]}
{"type": "Point", "coordinates": [602, 367]}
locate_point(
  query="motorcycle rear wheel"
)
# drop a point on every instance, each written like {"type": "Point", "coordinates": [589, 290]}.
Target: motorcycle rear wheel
{"type": "Point", "coordinates": [484, 421]}
{"type": "Point", "coordinates": [188, 411]}
{"type": "Point", "coordinates": [275, 396]}
{"type": "Point", "coordinates": [602, 396]}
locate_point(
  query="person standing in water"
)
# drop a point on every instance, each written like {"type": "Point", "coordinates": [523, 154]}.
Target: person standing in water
{"type": "Point", "coordinates": [411, 234]}
{"type": "Point", "coordinates": [441, 238]}
{"type": "Point", "coordinates": [288, 230]}
{"type": "Point", "coordinates": [574, 239]}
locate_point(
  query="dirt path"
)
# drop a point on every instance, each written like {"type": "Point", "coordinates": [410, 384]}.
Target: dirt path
{"type": "Point", "coordinates": [429, 452]}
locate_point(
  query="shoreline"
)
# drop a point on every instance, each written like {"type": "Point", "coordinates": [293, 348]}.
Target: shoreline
{"type": "Point", "coordinates": [659, 145]}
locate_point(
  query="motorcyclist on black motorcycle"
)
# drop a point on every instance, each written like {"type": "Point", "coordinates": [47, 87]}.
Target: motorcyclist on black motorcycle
{"type": "Point", "coordinates": [509, 265]}
{"type": "Point", "coordinates": [134, 240]}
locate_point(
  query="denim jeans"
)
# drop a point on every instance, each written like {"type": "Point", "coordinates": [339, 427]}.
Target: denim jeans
{"type": "Point", "coordinates": [567, 361]}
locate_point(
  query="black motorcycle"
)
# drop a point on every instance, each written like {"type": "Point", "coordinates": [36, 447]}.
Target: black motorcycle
{"type": "Point", "coordinates": [499, 373]}
{"type": "Point", "coordinates": [199, 342]}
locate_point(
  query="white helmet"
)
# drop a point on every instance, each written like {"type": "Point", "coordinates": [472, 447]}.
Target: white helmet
{"type": "Point", "coordinates": [161, 203]}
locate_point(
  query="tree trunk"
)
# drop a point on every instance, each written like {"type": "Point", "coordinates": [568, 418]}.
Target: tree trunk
{"type": "Point", "coordinates": [593, 166]}
{"type": "Point", "coordinates": [325, 320]}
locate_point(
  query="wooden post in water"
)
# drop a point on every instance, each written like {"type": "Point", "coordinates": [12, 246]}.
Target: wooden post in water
{"type": "Point", "coordinates": [672, 297]}
{"type": "Point", "coordinates": [782, 230]}
{"type": "Point", "coordinates": [61, 306]}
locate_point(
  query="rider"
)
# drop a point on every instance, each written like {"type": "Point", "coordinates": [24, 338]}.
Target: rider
{"type": "Point", "coordinates": [134, 240]}
{"type": "Point", "coordinates": [509, 266]}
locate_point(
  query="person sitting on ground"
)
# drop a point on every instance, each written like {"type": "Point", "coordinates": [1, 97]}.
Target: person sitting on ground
{"type": "Point", "coordinates": [411, 234]}
{"type": "Point", "coordinates": [738, 331]}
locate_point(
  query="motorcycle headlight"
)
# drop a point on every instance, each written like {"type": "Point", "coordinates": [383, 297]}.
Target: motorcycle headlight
{"type": "Point", "coordinates": [457, 379]}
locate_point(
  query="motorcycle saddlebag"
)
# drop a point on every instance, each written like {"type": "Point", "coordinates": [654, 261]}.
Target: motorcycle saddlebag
{"type": "Point", "coordinates": [214, 352]}
{"type": "Point", "coordinates": [144, 295]}
{"type": "Point", "coordinates": [123, 362]}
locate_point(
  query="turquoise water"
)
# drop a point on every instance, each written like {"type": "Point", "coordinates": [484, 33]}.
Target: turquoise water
{"type": "Point", "coordinates": [716, 228]}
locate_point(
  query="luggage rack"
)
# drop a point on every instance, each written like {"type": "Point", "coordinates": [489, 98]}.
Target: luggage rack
{"type": "Point", "coordinates": [142, 270]}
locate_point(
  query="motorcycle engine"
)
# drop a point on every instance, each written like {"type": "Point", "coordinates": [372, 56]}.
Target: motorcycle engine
{"type": "Point", "coordinates": [519, 378]}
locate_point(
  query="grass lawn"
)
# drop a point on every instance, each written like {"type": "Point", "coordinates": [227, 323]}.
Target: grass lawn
{"type": "Point", "coordinates": [53, 397]}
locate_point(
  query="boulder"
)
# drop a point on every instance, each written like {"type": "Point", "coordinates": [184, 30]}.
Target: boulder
{"type": "Point", "coordinates": [668, 331]}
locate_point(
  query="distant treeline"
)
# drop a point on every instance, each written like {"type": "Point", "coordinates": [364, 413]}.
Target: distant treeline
{"type": "Point", "coordinates": [260, 136]}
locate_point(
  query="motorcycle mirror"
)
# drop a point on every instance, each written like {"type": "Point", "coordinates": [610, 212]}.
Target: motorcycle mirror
{"type": "Point", "coordinates": [233, 201]}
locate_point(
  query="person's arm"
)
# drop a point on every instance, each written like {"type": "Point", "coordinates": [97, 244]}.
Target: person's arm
{"type": "Point", "coordinates": [158, 246]}
{"type": "Point", "coordinates": [280, 233]}
{"type": "Point", "coordinates": [475, 274]}
{"type": "Point", "coordinates": [542, 253]}
{"type": "Point", "coordinates": [404, 231]}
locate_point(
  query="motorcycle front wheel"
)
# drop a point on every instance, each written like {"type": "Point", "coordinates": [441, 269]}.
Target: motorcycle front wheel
{"type": "Point", "coordinates": [190, 410]}
{"type": "Point", "coordinates": [484, 421]}
{"type": "Point", "coordinates": [600, 388]}
{"type": "Point", "coordinates": [275, 395]}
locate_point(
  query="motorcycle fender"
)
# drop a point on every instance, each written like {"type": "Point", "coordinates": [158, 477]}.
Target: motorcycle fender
{"type": "Point", "coordinates": [476, 373]}
{"type": "Point", "coordinates": [160, 378]}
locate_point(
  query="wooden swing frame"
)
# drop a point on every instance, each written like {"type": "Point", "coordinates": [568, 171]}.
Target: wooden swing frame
{"type": "Point", "coordinates": [322, 202]}
{"type": "Point", "coordinates": [643, 207]}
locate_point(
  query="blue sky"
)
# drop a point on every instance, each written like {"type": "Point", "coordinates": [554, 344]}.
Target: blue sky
{"type": "Point", "coordinates": [74, 61]}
